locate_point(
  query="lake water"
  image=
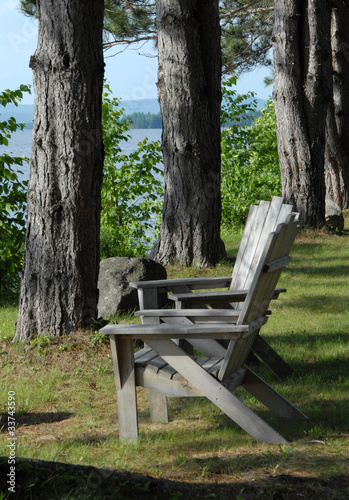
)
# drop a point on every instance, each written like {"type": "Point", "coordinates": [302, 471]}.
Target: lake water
{"type": "Point", "coordinates": [20, 143]}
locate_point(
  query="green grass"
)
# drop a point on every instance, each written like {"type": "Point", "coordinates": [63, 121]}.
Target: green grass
{"type": "Point", "coordinates": [66, 409]}
{"type": "Point", "coordinates": [8, 318]}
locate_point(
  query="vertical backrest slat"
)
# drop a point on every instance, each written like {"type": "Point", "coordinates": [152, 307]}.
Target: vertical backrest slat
{"type": "Point", "coordinates": [244, 242]}
{"type": "Point", "coordinates": [277, 214]}
{"type": "Point", "coordinates": [247, 251]}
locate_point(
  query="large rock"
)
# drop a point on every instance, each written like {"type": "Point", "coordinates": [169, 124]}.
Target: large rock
{"type": "Point", "coordinates": [333, 215]}
{"type": "Point", "coordinates": [115, 294]}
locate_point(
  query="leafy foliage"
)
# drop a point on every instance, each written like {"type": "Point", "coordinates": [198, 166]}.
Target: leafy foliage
{"type": "Point", "coordinates": [250, 167]}
{"type": "Point", "coordinates": [246, 34]}
{"type": "Point", "coordinates": [246, 28]}
{"type": "Point", "coordinates": [132, 191]}
{"type": "Point", "coordinates": [144, 120]}
{"type": "Point", "coordinates": [12, 200]}
{"type": "Point", "coordinates": [125, 22]}
{"type": "Point", "coordinates": [129, 22]}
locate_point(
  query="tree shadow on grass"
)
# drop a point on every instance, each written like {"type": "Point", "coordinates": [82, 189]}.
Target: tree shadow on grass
{"type": "Point", "coordinates": [322, 367]}
{"type": "Point", "coordinates": [321, 304]}
{"type": "Point", "coordinates": [33, 418]}
{"type": "Point", "coordinates": [41, 480]}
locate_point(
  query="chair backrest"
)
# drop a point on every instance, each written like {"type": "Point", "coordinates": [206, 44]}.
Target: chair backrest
{"type": "Point", "coordinates": [274, 257]}
{"type": "Point", "coordinates": [261, 221]}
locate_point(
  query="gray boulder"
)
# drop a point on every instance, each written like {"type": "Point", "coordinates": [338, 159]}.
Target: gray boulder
{"type": "Point", "coordinates": [115, 294]}
{"type": "Point", "coordinates": [333, 215]}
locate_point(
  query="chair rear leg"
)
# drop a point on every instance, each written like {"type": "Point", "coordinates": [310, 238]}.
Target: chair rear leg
{"type": "Point", "coordinates": [272, 359]}
{"type": "Point", "coordinates": [158, 407]}
{"type": "Point", "coordinates": [270, 397]}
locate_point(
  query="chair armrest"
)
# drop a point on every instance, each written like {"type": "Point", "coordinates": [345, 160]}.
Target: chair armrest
{"type": "Point", "coordinates": [192, 283]}
{"type": "Point", "coordinates": [175, 331]}
{"type": "Point", "coordinates": [209, 297]}
{"type": "Point", "coordinates": [216, 297]}
{"type": "Point", "coordinates": [196, 315]}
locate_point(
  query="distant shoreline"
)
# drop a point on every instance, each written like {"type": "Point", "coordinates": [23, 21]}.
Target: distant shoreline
{"type": "Point", "coordinates": [29, 126]}
{"type": "Point", "coordinates": [144, 113]}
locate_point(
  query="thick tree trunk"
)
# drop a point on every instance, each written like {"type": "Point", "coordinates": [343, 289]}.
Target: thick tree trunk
{"type": "Point", "coordinates": [189, 89]}
{"type": "Point", "coordinates": [337, 136]}
{"type": "Point", "coordinates": [302, 65]}
{"type": "Point", "coordinates": [59, 282]}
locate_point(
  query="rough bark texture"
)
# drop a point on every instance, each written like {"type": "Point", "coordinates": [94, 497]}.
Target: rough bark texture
{"type": "Point", "coordinates": [190, 94]}
{"type": "Point", "coordinates": [59, 282]}
{"type": "Point", "coordinates": [302, 65]}
{"type": "Point", "coordinates": [337, 136]}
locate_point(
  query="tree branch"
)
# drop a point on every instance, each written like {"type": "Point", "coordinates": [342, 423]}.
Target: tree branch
{"type": "Point", "coordinates": [109, 44]}
{"type": "Point", "coordinates": [246, 10]}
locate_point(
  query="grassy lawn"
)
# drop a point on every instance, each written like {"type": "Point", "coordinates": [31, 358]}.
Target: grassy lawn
{"type": "Point", "coordinates": [66, 411]}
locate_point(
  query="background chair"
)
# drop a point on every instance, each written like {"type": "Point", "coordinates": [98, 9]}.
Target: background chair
{"type": "Point", "coordinates": [262, 220]}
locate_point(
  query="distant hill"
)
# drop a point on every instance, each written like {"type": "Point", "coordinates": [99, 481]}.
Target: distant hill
{"type": "Point", "coordinates": [23, 113]}
{"type": "Point", "coordinates": [141, 106]}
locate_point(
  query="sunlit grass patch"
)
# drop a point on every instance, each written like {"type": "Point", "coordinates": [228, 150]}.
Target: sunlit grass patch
{"type": "Point", "coordinates": [8, 318]}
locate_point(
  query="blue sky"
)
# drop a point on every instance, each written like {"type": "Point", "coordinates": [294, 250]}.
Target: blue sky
{"type": "Point", "coordinates": [130, 73]}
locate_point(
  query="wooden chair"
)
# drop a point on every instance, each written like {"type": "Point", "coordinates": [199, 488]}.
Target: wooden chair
{"type": "Point", "coordinates": [262, 220]}
{"type": "Point", "coordinates": [168, 370]}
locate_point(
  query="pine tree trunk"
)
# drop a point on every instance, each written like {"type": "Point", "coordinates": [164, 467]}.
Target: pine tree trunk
{"type": "Point", "coordinates": [337, 137]}
{"type": "Point", "coordinates": [302, 64]}
{"type": "Point", "coordinates": [189, 89]}
{"type": "Point", "coordinates": [337, 162]}
{"type": "Point", "coordinates": [59, 283]}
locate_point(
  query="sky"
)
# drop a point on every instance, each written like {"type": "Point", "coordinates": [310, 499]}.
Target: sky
{"type": "Point", "coordinates": [131, 73]}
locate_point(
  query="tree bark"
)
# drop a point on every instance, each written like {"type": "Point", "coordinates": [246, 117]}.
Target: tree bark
{"type": "Point", "coordinates": [59, 283]}
{"type": "Point", "coordinates": [302, 65]}
{"type": "Point", "coordinates": [189, 78]}
{"type": "Point", "coordinates": [337, 136]}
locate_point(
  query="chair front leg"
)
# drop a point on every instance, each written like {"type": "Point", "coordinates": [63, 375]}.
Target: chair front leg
{"type": "Point", "coordinates": [124, 370]}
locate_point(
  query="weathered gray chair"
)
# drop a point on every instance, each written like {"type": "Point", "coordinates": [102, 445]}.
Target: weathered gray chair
{"type": "Point", "coordinates": [168, 370]}
{"type": "Point", "coordinates": [262, 219]}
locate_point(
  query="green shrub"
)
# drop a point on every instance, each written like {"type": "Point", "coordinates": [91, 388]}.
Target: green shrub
{"type": "Point", "coordinates": [132, 193]}
{"type": "Point", "coordinates": [12, 201]}
{"type": "Point", "coordinates": [250, 167]}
